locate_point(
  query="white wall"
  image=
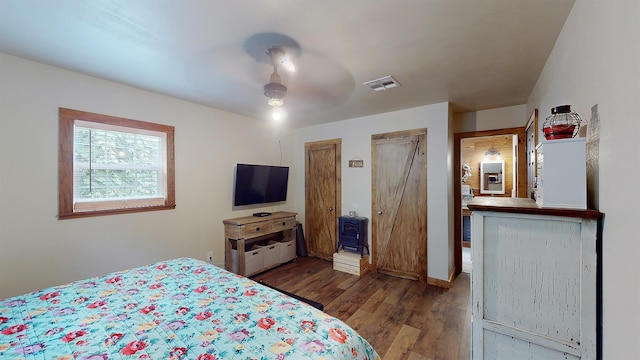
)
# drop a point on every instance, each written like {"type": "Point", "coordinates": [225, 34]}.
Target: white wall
{"type": "Point", "coordinates": [37, 250]}
{"type": "Point", "coordinates": [356, 182]}
{"type": "Point", "coordinates": [492, 119]}
{"type": "Point", "coordinates": [596, 60]}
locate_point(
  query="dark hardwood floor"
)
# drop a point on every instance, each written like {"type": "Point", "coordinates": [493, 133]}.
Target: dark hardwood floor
{"type": "Point", "coordinates": [401, 319]}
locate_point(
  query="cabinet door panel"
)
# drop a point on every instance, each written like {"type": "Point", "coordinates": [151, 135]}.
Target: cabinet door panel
{"type": "Point", "coordinates": [532, 275]}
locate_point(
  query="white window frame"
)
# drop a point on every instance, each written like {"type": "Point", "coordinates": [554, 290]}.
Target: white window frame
{"type": "Point", "coordinates": [70, 206]}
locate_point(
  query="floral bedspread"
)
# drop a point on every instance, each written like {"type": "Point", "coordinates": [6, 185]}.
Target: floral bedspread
{"type": "Point", "coordinates": [177, 309]}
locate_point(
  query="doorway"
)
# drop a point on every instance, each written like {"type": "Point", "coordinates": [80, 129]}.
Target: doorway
{"type": "Point", "coordinates": [322, 196]}
{"type": "Point", "coordinates": [399, 203]}
{"type": "Point", "coordinates": [487, 146]}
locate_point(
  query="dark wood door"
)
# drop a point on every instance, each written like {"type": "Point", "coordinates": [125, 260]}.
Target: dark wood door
{"type": "Point", "coordinates": [322, 197]}
{"type": "Point", "coordinates": [399, 211]}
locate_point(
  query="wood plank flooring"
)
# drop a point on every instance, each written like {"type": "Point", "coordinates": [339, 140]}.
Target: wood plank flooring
{"type": "Point", "coordinates": [401, 319]}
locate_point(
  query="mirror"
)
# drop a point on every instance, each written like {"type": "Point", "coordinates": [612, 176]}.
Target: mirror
{"type": "Point", "coordinates": [491, 177]}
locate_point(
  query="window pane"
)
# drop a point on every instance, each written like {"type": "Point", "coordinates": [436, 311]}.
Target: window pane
{"type": "Point", "coordinates": [117, 165]}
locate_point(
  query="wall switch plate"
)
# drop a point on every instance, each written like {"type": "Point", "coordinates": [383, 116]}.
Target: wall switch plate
{"type": "Point", "coordinates": [210, 257]}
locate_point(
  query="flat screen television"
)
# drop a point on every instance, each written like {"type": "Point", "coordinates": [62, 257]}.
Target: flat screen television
{"type": "Point", "coordinates": [260, 184]}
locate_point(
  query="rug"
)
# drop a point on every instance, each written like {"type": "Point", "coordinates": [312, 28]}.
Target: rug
{"type": "Point", "coordinates": [315, 304]}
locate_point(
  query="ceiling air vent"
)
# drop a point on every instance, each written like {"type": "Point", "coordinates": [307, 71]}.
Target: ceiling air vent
{"type": "Point", "coordinates": [384, 83]}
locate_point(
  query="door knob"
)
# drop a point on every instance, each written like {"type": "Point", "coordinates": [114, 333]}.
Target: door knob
{"type": "Point", "coordinates": [330, 209]}
{"type": "Point", "coordinates": [379, 212]}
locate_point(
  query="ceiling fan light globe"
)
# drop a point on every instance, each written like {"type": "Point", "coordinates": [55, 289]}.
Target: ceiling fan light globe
{"type": "Point", "coordinates": [275, 102]}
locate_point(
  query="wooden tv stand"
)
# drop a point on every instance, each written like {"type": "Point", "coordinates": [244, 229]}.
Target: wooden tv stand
{"type": "Point", "coordinates": [253, 230]}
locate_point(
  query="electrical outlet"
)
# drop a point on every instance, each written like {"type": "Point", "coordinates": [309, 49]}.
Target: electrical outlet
{"type": "Point", "coordinates": [210, 257]}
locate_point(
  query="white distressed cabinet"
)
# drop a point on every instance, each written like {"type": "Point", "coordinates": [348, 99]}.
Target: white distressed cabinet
{"type": "Point", "coordinates": [533, 285]}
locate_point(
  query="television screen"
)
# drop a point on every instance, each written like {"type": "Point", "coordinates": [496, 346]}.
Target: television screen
{"type": "Point", "coordinates": [259, 184]}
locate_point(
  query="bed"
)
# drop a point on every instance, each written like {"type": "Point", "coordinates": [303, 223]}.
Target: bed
{"type": "Point", "coordinates": [177, 309]}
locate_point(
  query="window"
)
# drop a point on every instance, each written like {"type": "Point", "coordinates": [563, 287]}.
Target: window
{"type": "Point", "coordinates": [112, 165]}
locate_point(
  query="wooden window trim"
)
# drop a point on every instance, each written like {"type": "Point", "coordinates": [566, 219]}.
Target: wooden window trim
{"type": "Point", "coordinates": [65, 162]}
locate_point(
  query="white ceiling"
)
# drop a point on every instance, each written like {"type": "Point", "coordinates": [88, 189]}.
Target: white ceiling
{"type": "Point", "coordinates": [475, 54]}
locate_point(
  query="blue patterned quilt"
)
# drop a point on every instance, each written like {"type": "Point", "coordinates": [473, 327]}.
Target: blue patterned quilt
{"type": "Point", "coordinates": [177, 309]}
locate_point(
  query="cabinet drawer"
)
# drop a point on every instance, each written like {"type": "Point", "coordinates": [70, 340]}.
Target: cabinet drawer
{"type": "Point", "coordinates": [249, 231]}
{"type": "Point", "coordinates": [283, 224]}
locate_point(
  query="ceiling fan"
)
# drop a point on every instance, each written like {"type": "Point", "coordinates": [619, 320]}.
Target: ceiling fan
{"type": "Point", "coordinates": [275, 90]}
{"type": "Point", "coordinates": [277, 50]}
{"type": "Point", "coordinates": [327, 85]}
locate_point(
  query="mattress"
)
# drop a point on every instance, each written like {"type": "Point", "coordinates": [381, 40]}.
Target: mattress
{"type": "Point", "coordinates": [177, 309]}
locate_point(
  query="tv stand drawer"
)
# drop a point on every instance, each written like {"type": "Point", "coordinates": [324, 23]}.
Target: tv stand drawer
{"type": "Point", "coordinates": [249, 231]}
{"type": "Point", "coordinates": [283, 224]}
